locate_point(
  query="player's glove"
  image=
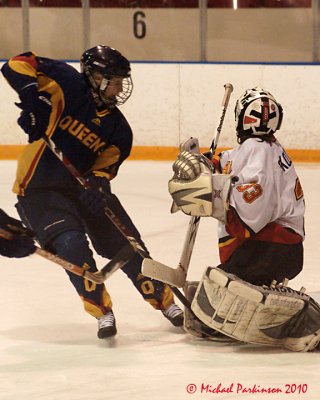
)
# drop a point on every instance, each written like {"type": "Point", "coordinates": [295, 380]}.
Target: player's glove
{"type": "Point", "coordinates": [36, 109]}
{"type": "Point", "coordinates": [96, 197]}
{"type": "Point", "coordinates": [19, 243]}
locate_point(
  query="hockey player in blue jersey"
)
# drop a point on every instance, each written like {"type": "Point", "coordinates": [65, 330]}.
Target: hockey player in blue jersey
{"type": "Point", "coordinates": [79, 112]}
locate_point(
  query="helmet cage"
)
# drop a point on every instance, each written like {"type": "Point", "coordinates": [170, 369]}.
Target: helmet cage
{"type": "Point", "coordinates": [257, 113]}
{"type": "Point", "coordinates": [100, 90]}
{"type": "Point", "coordinates": [110, 64]}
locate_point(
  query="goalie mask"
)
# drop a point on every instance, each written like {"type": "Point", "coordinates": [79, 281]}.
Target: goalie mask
{"type": "Point", "coordinates": [257, 113]}
{"type": "Point", "coordinates": [108, 73]}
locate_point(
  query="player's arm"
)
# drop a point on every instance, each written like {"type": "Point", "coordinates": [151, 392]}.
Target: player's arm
{"type": "Point", "coordinates": [22, 74]}
{"type": "Point", "coordinates": [15, 240]}
{"type": "Point", "coordinates": [97, 195]}
{"type": "Point", "coordinates": [251, 199]}
{"type": "Point", "coordinates": [243, 202]}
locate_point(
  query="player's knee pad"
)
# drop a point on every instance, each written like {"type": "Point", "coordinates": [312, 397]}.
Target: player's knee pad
{"type": "Point", "coordinates": [255, 314]}
{"type": "Point", "coordinates": [73, 246]}
{"type": "Point", "coordinates": [68, 241]}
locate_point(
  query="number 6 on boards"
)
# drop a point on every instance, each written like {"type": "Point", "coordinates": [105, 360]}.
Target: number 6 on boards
{"type": "Point", "coordinates": [139, 25]}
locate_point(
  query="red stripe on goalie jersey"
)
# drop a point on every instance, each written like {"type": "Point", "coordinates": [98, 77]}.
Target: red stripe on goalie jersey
{"type": "Point", "coordinates": [215, 161]}
{"type": "Point", "coordinates": [236, 227]}
{"type": "Point", "coordinates": [227, 246]}
{"type": "Point", "coordinates": [239, 233]}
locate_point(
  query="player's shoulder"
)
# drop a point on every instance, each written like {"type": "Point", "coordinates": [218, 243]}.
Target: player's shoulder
{"type": "Point", "coordinates": [257, 147]}
{"type": "Point", "coordinates": [120, 119]}
{"type": "Point", "coordinates": [115, 126]}
{"type": "Point", "coordinates": [254, 143]}
{"type": "Point", "coordinates": [60, 68]}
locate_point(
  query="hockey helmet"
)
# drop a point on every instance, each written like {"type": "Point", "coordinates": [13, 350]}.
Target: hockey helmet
{"type": "Point", "coordinates": [257, 113]}
{"type": "Point", "coordinates": [109, 63]}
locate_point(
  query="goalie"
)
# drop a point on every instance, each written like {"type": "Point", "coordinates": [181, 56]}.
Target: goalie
{"type": "Point", "coordinates": [258, 200]}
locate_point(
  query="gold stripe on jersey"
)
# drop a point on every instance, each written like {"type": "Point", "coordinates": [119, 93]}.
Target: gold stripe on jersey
{"type": "Point", "coordinates": [102, 113]}
{"type": "Point", "coordinates": [108, 157]}
{"type": "Point", "coordinates": [223, 242]}
{"type": "Point", "coordinates": [31, 156]}
{"type": "Point", "coordinates": [22, 67]}
{"type": "Point", "coordinates": [102, 174]}
{"type": "Point", "coordinates": [27, 164]}
{"type": "Point", "coordinates": [50, 86]}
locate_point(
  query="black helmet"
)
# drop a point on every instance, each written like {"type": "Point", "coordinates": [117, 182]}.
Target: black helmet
{"type": "Point", "coordinates": [109, 63]}
{"type": "Point", "coordinates": [257, 113]}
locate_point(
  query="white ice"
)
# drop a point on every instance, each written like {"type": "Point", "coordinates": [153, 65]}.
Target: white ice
{"type": "Point", "coordinates": [48, 344]}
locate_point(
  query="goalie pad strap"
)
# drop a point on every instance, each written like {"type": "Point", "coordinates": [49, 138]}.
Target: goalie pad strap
{"type": "Point", "coordinates": [254, 314]}
{"type": "Point", "coordinates": [193, 325]}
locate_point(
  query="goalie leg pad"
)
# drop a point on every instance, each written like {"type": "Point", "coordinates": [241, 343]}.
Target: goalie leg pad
{"type": "Point", "coordinates": [193, 325]}
{"type": "Point", "coordinates": [255, 314]}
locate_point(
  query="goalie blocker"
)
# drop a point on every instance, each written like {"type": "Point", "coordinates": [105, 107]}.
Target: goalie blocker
{"type": "Point", "coordinates": [255, 314]}
{"type": "Point", "coordinates": [196, 190]}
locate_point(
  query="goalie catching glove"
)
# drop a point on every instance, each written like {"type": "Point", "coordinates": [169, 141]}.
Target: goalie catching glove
{"type": "Point", "coordinates": [196, 190]}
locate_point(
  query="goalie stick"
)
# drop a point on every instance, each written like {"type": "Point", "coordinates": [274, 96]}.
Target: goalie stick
{"type": "Point", "coordinates": [177, 277]}
{"type": "Point", "coordinates": [118, 261]}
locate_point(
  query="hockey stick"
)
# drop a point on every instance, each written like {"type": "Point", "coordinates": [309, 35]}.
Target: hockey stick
{"type": "Point", "coordinates": [85, 184]}
{"type": "Point", "coordinates": [177, 277]}
{"type": "Point", "coordinates": [118, 261]}
{"type": "Point", "coordinates": [113, 218]}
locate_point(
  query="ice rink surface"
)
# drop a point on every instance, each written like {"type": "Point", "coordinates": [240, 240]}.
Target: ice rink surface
{"type": "Point", "coordinates": [48, 344]}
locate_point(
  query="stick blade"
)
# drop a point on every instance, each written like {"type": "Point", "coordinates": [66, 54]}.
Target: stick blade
{"type": "Point", "coordinates": [156, 270]}
{"type": "Point", "coordinates": [117, 262]}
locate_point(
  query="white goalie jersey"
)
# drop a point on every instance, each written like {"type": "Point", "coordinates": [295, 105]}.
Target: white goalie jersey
{"type": "Point", "coordinates": [268, 189]}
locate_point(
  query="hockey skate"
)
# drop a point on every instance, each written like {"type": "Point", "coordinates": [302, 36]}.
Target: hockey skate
{"type": "Point", "coordinates": [107, 326]}
{"type": "Point", "coordinates": [174, 314]}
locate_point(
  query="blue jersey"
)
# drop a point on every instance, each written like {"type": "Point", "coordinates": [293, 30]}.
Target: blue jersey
{"type": "Point", "coordinates": [93, 140]}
